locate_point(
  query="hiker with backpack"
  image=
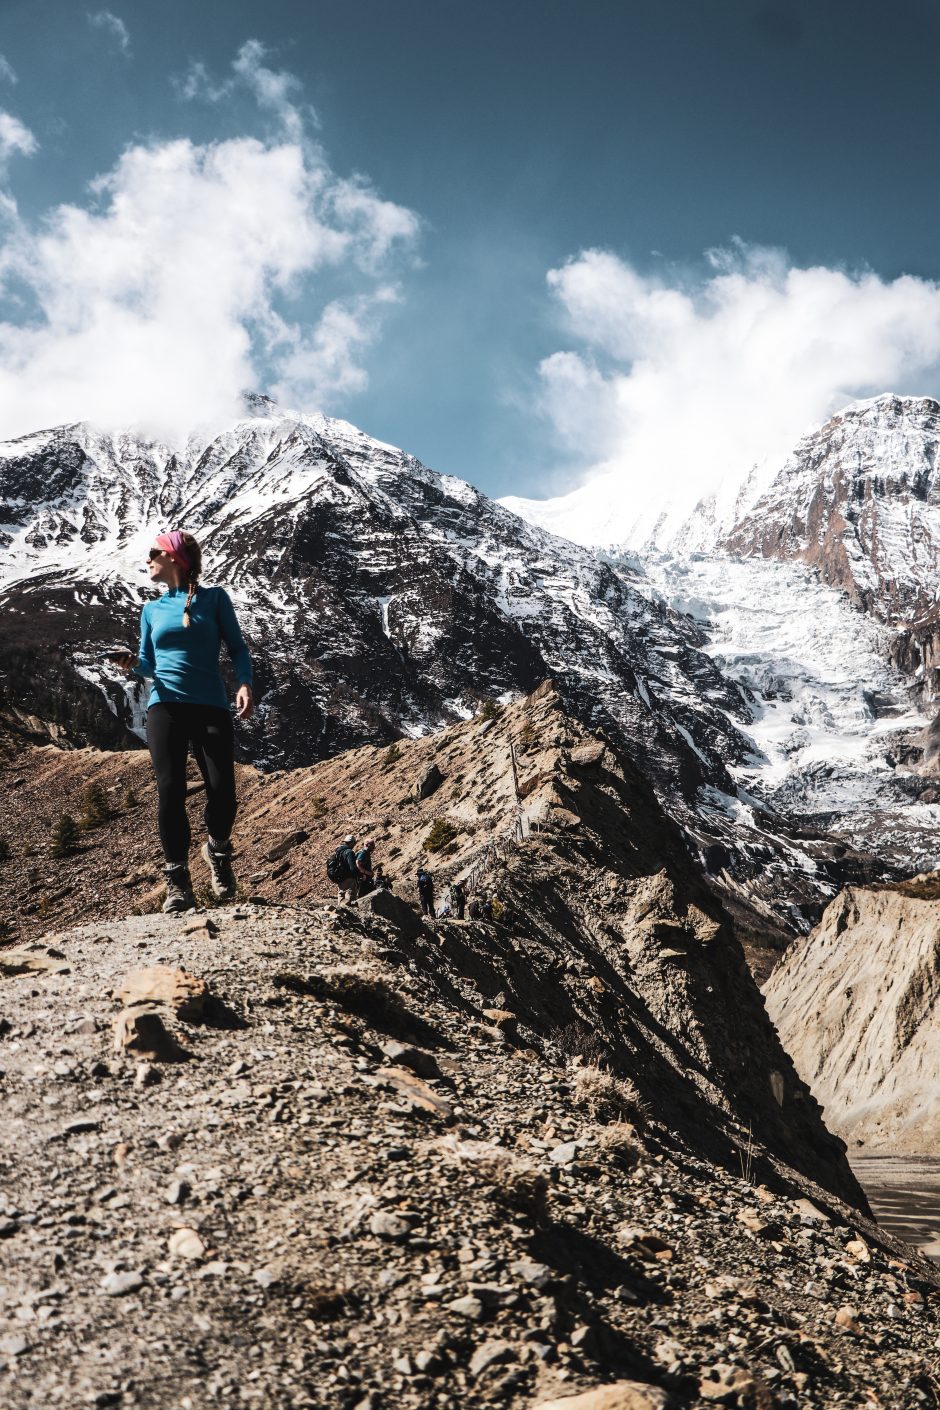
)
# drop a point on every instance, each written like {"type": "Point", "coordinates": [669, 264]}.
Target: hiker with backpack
{"type": "Point", "coordinates": [458, 899]}
{"type": "Point", "coordinates": [181, 634]}
{"type": "Point", "coordinates": [426, 891]}
{"type": "Point", "coordinates": [342, 870]}
{"type": "Point", "coordinates": [364, 871]}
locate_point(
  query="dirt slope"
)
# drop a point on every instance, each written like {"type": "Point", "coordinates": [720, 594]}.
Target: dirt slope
{"type": "Point", "coordinates": [856, 1005]}
{"type": "Point", "coordinates": [613, 942]}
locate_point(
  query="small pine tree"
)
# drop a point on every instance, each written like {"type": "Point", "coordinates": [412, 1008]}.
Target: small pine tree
{"type": "Point", "coordinates": [392, 753]}
{"type": "Point", "coordinates": [5, 850]}
{"type": "Point", "coordinates": [527, 735]}
{"type": "Point", "coordinates": [95, 807]}
{"type": "Point", "coordinates": [490, 709]}
{"type": "Point", "coordinates": [64, 836]}
{"type": "Point", "coordinates": [130, 799]}
{"type": "Point", "coordinates": [441, 835]}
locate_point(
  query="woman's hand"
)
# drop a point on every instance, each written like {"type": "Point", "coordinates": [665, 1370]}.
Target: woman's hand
{"type": "Point", "coordinates": [244, 702]}
{"type": "Point", "coordinates": [125, 661]}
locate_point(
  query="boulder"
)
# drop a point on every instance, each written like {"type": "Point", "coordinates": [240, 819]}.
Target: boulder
{"type": "Point", "coordinates": [30, 962]}
{"type": "Point", "coordinates": [391, 908]}
{"type": "Point", "coordinates": [586, 755]}
{"type": "Point", "coordinates": [415, 1059]}
{"type": "Point", "coordinates": [429, 783]}
{"type": "Point", "coordinates": [407, 1085]}
{"type": "Point", "coordinates": [183, 994]}
{"type": "Point", "coordinates": [286, 844]}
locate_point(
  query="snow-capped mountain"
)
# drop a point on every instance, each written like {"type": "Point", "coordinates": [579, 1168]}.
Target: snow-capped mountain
{"type": "Point", "coordinates": [380, 599]}
{"type": "Point", "coordinates": [816, 592]}
{"type": "Point", "coordinates": [647, 513]}
{"type": "Point", "coordinates": [837, 727]}
{"type": "Point", "coordinates": [859, 499]}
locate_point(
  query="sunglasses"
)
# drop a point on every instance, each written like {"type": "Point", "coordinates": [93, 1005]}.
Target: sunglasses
{"type": "Point", "coordinates": [156, 553]}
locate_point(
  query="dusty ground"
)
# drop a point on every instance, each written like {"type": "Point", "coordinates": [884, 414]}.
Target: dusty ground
{"type": "Point", "coordinates": [280, 1219]}
{"type": "Point", "coordinates": [283, 1217]}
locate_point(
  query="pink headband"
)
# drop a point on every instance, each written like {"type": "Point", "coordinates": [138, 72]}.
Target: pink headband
{"type": "Point", "coordinates": [173, 544]}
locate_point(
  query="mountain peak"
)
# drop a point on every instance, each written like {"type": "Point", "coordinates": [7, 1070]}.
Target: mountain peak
{"type": "Point", "coordinates": [259, 404]}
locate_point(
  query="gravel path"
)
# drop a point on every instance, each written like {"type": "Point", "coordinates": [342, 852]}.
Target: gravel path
{"type": "Point", "coordinates": [364, 1184]}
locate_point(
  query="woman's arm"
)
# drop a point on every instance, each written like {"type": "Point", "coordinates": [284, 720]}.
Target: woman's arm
{"type": "Point", "coordinates": [144, 663]}
{"type": "Point", "coordinates": [238, 651]}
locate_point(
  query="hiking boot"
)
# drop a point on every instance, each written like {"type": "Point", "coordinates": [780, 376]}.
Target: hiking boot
{"type": "Point", "coordinates": [221, 876]}
{"type": "Point", "coordinates": [179, 890]}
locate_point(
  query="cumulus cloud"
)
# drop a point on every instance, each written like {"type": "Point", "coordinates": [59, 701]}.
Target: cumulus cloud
{"type": "Point", "coordinates": [175, 287]}
{"type": "Point", "coordinates": [113, 26]}
{"type": "Point", "coordinates": [677, 387]}
{"type": "Point", "coordinates": [14, 138]}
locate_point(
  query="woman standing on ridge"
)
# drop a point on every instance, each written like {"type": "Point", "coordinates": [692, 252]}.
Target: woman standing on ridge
{"type": "Point", "coordinates": [181, 633]}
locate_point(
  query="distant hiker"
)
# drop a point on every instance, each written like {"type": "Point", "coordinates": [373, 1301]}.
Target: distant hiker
{"type": "Point", "coordinates": [444, 912]}
{"type": "Point", "coordinates": [342, 870]}
{"type": "Point", "coordinates": [474, 909]}
{"type": "Point", "coordinates": [486, 909]}
{"type": "Point", "coordinates": [458, 898]}
{"type": "Point", "coordinates": [181, 633]}
{"type": "Point", "coordinates": [426, 891]}
{"type": "Point", "coordinates": [364, 867]}
{"type": "Point", "coordinates": [382, 882]}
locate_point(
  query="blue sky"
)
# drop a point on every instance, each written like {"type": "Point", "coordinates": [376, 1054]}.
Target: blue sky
{"type": "Point", "coordinates": [506, 140]}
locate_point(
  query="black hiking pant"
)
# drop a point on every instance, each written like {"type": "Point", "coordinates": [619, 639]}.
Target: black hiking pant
{"type": "Point", "coordinates": [172, 728]}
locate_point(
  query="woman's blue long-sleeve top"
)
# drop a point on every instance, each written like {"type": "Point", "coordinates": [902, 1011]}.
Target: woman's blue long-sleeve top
{"type": "Point", "coordinates": [183, 662]}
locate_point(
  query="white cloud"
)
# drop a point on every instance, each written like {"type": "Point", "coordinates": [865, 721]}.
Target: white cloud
{"type": "Point", "coordinates": [14, 138]}
{"type": "Point", "coordinates": [113, 25]}
{"type": "Point", "coordinates": [170, 292]}
{"type": "Point", "coordinates": [7, 74]}
{"type": "Point", "coordinates": [274, 90]}
{"type": "Point", "coordinates": [681, 385]}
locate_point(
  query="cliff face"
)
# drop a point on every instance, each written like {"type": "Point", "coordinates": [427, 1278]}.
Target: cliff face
{"type": "Point", "coordinates": [857, 1005]}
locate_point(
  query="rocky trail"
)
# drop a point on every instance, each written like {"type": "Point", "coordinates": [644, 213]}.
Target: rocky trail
{"type": "Point", "coordinates": [297, 1154]}
{"type": "Point", "coordinates": [350, 1175]}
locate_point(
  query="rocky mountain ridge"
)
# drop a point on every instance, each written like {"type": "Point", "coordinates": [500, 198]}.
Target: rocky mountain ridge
{"type": "Point", "coordinates": [380, 599]}
{"type": "Point", "coordinates": [303, 1154]}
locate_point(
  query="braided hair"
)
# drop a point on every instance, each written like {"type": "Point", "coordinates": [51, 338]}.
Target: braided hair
{"type": "Point", "coordinates": [194, 554]}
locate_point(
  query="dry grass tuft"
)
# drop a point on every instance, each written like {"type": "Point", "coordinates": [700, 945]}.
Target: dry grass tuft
{"type": "Point", "coordinates": [619, 1142]}
{"type": "Point", "coordinates": [608, 1098]}
{"type": "Point", "coordinates": [514, 1183]}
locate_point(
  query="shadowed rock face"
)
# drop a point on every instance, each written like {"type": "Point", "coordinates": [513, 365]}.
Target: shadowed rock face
{"type": "Point", "coordinates": [615, 948]}
{"type": "Point", "coordinates": [857, 1005]}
